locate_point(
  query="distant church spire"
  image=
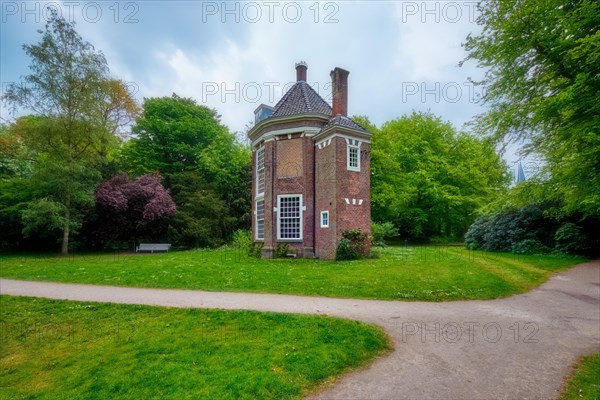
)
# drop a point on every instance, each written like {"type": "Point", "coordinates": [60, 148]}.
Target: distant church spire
{"type": "Point", "coordinates": [520, 173]}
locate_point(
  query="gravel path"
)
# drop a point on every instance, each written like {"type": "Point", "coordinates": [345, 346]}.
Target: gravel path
{"type": "Point", "coordinates": [520, 347]}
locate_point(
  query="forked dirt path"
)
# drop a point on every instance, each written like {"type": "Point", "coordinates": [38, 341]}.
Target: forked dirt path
{"type": "Point", "coordinates": [520, 347]}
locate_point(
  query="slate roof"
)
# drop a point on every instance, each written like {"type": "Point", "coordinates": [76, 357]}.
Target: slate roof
{"type": "Point", "coordinates": [346, 122]}
{"type": "Point", "coordinates": [301, 99]}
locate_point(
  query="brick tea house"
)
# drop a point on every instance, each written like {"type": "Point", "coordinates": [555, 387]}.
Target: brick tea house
{"type": "Point", "coordinates": [311, 170]}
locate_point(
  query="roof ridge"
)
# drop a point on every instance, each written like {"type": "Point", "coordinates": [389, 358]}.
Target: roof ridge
{"type": "Point", "coordinates": [343, 121]}
{"type": "Point", "coordinates": [285, 96]}
{"type": "Point", "coordinates": [305, 96]}
{"type": "Point", "coordinates": [301, 98]}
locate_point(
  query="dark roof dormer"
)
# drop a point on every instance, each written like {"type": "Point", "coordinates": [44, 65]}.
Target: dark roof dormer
{"type": "Point", "coordinates": [262, 112]}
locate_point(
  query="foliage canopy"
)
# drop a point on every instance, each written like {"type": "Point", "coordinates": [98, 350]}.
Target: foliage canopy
{"type": "Point", "coordinates": [542, 83]}
{"type": "Point", "coordinates": [429, 180]}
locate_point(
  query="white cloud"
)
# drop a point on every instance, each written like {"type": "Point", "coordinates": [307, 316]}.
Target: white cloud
{"type": "Point", "coordinates": [429, 39]}
{"type": "Point", "coordinates": [382, 44]}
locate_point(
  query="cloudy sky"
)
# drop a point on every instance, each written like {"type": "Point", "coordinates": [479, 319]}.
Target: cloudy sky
{"type": "Point", "coordinates": [233, 56]}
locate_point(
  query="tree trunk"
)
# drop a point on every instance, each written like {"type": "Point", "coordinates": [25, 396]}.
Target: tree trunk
{"type": "Point", "coordinates": [65, 241]}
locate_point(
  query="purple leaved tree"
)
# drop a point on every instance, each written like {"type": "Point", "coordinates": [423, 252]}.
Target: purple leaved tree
{"type": "Point", "coordinates": [129, 209]}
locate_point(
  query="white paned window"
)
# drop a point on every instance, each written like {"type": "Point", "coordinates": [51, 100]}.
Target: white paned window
{"type": "Point", "coordinates": [353, 159]}
{"type": "Point", "coordinates": [324, 219]}
{"type": "Point", "coordinates": [260, 171]}
{"type": "Point", "coordinates": [289, 217]}
{"type": "Point", "coordinates": [260, 220]}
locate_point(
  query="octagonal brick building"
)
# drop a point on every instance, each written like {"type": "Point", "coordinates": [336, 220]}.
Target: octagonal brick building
{"type": "Point", "coordinates": [311, 170]}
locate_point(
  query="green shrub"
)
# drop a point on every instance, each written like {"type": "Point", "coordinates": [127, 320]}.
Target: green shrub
{"type": "Point", "coordinates": [569, 239]}
{"type": "Point", "coordinates": [499, 232]}
{"type": "Point", "coordinates": [353, 245]}
{"type": "Point", "coordinates": [530, 246]}
{"type": "Point", "coordinates": [282, 250]}
{"type": "Point", "coordinates": [242, 240]}
{"type": "Point", "coordinates": [255, 250]}
{"type": "Point", "coordinates": [513, 226]}
{"type": "Point", "coordinates": [474, 238]}
{"type": "Point", "coordinates": [381, 232]}
{"type": "Point", "coordinates": [345, 250]}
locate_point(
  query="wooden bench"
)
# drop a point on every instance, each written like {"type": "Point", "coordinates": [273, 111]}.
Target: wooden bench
{"type": "Point", "coordinates": [152, 247]}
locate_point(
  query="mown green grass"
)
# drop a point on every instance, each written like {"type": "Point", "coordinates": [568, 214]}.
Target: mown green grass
{"type": "Point", "coordinates": [584, 384]}
{"type": "Point", "coordinates": [400, 273]}
{"type": "Point", "coordinates": [54, 349]}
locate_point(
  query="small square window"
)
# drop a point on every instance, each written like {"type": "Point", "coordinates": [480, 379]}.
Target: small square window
{"type": "Point", "coordinates": [353, 159]}
{"type": "Point", "coordinates": [324, 219]}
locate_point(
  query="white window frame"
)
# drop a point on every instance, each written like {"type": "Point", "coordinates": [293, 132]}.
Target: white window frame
{"type": "Point", "coordinates": [279, 212]}
{"type": "Point", "coordinates": [323, 214]}
{"type": "Point", "coordinates": [256, 220]}
{"type": "Point", "coordinates": [348, 164]}
{"type": "Point", "coordinates": [260, 169]}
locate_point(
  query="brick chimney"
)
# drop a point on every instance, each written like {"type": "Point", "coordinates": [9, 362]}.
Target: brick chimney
{"type": "Point", "coordinates": [301, 68]}
{"type": "Point", "coordinates": [339, 84]}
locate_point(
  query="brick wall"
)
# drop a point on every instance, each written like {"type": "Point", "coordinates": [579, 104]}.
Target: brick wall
{"type": "Point", "coordinates": [268, 196]}
{"type": "Point", "coordinates": [346, 194]}
{"type": "Point", "coordinates": [353, 190]}
{"type": "Point", "coordinates": [304, 185]}
{"type": "Point", "coordinates": [289, 169]}
{"type": "Point", "coordinates": [294, 165]}
{"type": "Point", "coordinates": [325, 195]}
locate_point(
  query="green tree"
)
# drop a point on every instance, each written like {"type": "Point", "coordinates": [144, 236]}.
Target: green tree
{"type": "Point", "coordinates": [542, 87]}
{"type": "Point", "coordinates": [171, 135]}
{"type": "Point", "coordinates": [69, 91]}
{"type": "Point", "coordinates": [16, 159]}
{"type": "Point", "coordinates": [205, 167]}
{"type": "Point", "coordinates": [15, 196]}
{"type": "Point", "coordinates": [428, 179]}
{"type": "Point", "coordinates": [203, 218]}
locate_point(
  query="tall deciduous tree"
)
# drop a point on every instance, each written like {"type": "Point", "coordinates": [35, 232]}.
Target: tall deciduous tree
{"type": "Point", "coordinates": [202, 163]}
{"type": "Point", "coordinates": [542, 86]}
{"type": "Point", "coordinates": [118, 110]}
{"type": "Point", "coordinates": [175, 134]}
{"type": "Point", "coordinates": [79, 111]}
{"type": "Point", "coordinates": [203, 218]}
{"type": "Point", "coordinates": [16, 158]}
{"type": "Point", "coordinates": [429, 180]}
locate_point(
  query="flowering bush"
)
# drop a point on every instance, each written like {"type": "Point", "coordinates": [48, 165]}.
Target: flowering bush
{"type": "Point", "coordinates": [128, 209]}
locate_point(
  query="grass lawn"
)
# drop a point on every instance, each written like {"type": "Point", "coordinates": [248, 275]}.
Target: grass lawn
{"type": "Point", "coordinates": [400, 273]}
{"type": "Point", "coordinates": [52, 349]}
{"type": "Point", "coordinates": [584, 384]}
